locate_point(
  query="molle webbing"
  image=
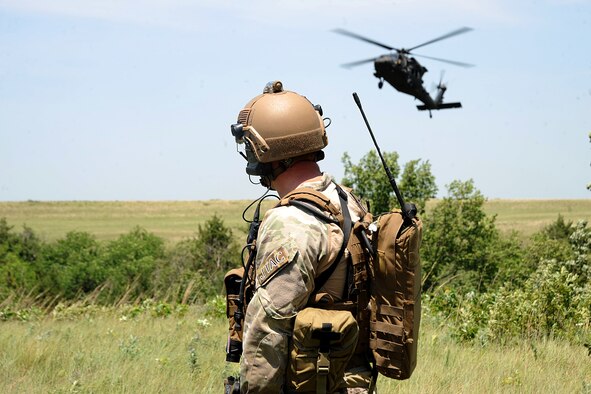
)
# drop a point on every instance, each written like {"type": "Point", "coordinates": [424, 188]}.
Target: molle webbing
{"type": "Point", "coordinates": [360, 291]}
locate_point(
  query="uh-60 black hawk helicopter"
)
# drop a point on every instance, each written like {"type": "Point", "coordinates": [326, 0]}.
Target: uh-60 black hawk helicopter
{"type": "Point", "coordinates": [404, 72]}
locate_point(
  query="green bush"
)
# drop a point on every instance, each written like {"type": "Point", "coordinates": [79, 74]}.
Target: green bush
{"type": "Point", "coordinates": [25, 245]}
{"type": "Point", "coordinates": [580, 264]}
{"type": "Point", "coordinates": [134, 266]}
{"type": "Point", "coordinates": [509, 254]}
{"type": "Point", "coordinates": [554, 301]}
{"type": "Point", "coordinates": [460, 242]}
{"type": "Point", "coordinates": [15, 275]}
{"type": "Point", "coordinates": [71, 267]}
{"type": "Point", "coordinates": [18, 254]}
{"type": "Point", "coordinates": [194, 269]}
{"type": "Point", "coordinates": [551, 304]}
{"type": "Point", "coordinates": [130, 261]}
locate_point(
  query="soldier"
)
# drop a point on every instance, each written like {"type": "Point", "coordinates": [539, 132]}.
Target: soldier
{"type": "Point", "coordinates": [283, 136]}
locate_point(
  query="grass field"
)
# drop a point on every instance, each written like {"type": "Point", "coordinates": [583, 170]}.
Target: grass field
{"type": "Point", "coordinates": [171, 220]}
{"type": "Point", "coordinates": [174, 220]}
{"type": "Point", "coordinates": [529, 216]}
{"type": "Point", "coordinates": [103, 350]}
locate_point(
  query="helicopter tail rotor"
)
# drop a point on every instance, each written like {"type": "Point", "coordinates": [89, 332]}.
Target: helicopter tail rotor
{"type": "Point", "coordinates": [441, 88]}
{"type": "Point", "coordinates": [440, 85]}
{"type": "Point", "coordinates": [438, 100]}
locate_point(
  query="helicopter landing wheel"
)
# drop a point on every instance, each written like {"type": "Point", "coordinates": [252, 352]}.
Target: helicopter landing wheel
{"type": "Point", "coordinates": [380, 84]}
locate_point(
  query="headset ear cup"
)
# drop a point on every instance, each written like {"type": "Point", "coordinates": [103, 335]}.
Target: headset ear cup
{"type": "Point", "coordinates": [266, 182]}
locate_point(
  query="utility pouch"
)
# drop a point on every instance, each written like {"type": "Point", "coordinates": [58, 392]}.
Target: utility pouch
{"type": "Point", "coordinates": [322, 343]}
{"type": "Point", "coordinates": [232, 281]}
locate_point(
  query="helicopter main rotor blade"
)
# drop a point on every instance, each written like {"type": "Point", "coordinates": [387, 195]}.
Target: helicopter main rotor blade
{"type": "Point", "coordinates": [443, 37]}
{"type": "Point", "coordinates": [358, 63]}
{"type": "Point", "coordinates": [357, 36]}
{"type": "Point", "coordinates": [446, 61]}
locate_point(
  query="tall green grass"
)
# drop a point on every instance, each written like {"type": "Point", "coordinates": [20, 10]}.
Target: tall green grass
{"type": "Point", "coordinates": [100, 350]}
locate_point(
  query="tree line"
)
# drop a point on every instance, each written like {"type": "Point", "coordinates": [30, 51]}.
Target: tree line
{"type": "Point", "coordinates": [133, 267]}
{"type": "Point", "coordinates": [483, 284]}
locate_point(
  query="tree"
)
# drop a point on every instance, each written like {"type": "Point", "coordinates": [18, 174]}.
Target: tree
{"type": "Point", "coordinates": [417, 184]}
{"type": "Point", "coordinates": [370, 181]}
{"type": "Point", "coordinates": [459, 241]}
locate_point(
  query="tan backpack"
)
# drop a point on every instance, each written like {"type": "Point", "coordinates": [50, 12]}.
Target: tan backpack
{"type": "Point", "coordinates": [395, 294]}
{"type": "Point", "coordinates": [386, 276]}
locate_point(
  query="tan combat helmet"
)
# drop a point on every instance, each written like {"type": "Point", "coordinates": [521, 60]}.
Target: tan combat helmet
{"type": "Point", "coordinates": [279, 126]}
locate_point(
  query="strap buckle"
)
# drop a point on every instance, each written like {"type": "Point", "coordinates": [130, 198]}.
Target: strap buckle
{"type": "Point", "coordinates": [323, 364]}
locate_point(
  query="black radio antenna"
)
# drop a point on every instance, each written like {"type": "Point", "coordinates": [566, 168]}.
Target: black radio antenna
{"type": "Point", "coordinates": [409, 210]}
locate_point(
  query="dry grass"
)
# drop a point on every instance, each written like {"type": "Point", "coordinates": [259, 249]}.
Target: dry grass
{"type": "Point", "coordinates": [530, 216]}
{"type": "Point", "coordinates": [101, 351]}
{"type": "Point", "coordinates": [171, 220]}
{"type": "Point", "coordinates": [175, 220]}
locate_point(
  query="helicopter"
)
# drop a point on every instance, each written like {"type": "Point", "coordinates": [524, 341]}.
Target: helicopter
{"type": "Point", "coordinates": [405, 73]}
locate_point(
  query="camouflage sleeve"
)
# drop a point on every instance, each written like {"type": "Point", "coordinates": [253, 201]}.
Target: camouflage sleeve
{"type": "Point", "coordinates": [290, 245]}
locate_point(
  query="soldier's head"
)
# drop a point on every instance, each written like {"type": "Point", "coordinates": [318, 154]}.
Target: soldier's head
{"type": "Point", "coordinates": [278, 129]}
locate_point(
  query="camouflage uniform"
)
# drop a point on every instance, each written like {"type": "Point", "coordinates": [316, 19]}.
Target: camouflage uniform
{"type": "Point", "coordinates": [294, 247]}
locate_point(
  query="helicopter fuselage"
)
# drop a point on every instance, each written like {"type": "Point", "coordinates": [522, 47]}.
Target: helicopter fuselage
{"type": "Point", "coordinates": [404, 74]}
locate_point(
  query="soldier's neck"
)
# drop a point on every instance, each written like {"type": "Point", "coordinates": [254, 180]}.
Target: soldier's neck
{"type": "Point", "coordinates": [300, 172]}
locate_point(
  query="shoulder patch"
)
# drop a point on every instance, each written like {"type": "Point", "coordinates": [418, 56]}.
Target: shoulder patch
{"type": "Point", "coordinates": [273, 263]}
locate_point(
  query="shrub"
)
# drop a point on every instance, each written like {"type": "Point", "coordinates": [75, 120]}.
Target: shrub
{"type": "Point", "coordinates": [130, 261]}
{"type": "Point", "coordinates": [15, 275]}
{"type": "Point", "coordinates": [580, 241]}
{"type": "Point", "coordinates": [550, 305]}
{"type": "Point", "coordinates": [18, 253]}
{"type": "Point", "coordinates": [460, 241]}
{"type": "Point", "coordinates": [71, 266]}
{"type": "Point", "coordinates": [194, 269]}
{"type": "Point", "coordinates": [25, 245]}
{"type": "Point", "coordinates": [554, 301]}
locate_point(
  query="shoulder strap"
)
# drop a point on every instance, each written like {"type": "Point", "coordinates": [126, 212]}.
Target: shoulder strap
{"type": "Point", "coordinates": [309, 196]}
{"type": "Point", "coordinates": [319, 205]}
{"type": "Point", "coordinates": [346, 227]}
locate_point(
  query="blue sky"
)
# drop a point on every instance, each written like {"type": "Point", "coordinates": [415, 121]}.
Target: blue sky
{"type": "Point", "coordinates": [132, 100]}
